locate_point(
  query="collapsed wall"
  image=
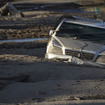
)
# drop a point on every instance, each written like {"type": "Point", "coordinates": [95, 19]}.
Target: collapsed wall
{"type": "Point", "coordinates": [10, 10]}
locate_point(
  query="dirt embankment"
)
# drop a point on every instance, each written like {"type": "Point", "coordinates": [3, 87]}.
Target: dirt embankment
{"type": "Point", "coordinates": [38, 22]}
{"type": "Point", "coordinates": [38, 26]}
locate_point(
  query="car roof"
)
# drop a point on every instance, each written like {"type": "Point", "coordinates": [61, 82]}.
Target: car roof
{"type": "Point", "coordinates": [86, 21]}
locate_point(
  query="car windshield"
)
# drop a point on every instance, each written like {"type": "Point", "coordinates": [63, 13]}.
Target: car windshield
{"type": "Point", "coordinates": [82, 32]}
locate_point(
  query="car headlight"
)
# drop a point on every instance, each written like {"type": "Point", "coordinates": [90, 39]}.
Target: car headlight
{"type": "Point", "coordinates": [56, 43]}
{"type": "Point", "coordinates": [56, 47]}
{"type": "Point", "coordinates": [101, 59]}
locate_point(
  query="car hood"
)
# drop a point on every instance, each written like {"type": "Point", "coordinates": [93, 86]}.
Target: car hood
{"type": "Point", "coordinates": [79, 45]}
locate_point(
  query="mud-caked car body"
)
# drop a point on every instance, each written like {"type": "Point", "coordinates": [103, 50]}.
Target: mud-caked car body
{"type": "Point", "coordinates": [78, 40]}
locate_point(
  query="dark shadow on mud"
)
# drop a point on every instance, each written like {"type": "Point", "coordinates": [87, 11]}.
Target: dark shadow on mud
{"type": "Point", "coordinates": [15, 26]}
{"type": "Point", "coordinates": [47, 6]}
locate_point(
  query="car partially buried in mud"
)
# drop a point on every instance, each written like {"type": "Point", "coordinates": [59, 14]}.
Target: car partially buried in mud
{"type": "Point", "coordinates": [78, 40]}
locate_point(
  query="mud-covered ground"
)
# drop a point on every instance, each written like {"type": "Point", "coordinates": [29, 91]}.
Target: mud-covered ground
{"type": "Point", "coordinates": [27, 77]}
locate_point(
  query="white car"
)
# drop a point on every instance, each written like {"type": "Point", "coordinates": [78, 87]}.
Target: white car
{"type": "Point", "coordinates": [78, 40]}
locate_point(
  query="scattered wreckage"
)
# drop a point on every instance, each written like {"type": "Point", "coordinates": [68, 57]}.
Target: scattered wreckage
{"type": "Point", "coordinates": [10, 10]}
{"type": "Point", "coordinates": [78, 40]}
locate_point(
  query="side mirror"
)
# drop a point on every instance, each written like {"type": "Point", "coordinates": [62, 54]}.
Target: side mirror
{"type": "Point", "coordinates": [51, 32]}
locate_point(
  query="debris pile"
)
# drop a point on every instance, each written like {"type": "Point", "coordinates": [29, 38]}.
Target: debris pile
{"type": "Point", "coordinates": [10, 10]}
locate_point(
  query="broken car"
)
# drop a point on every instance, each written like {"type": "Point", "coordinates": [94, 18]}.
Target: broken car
{"type": "Point", "coordinates": [78, 40]}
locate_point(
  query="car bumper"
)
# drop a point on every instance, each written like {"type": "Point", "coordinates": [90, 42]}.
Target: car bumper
{"type": "Point", "coordinates": [72, 59]}
{"type": "Point", "coordinates": [56, 56]}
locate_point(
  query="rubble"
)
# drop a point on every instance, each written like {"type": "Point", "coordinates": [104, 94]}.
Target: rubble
{"type": "Point", "coordinates": [10, 10]}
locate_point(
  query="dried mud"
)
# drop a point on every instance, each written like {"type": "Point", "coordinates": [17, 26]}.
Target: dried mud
{"type": "Point", "coordinates": [24, 66]}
